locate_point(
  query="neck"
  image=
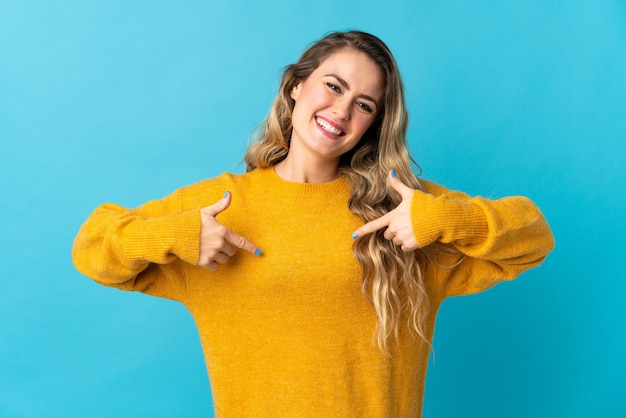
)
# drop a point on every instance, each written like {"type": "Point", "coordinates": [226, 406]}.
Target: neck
{"type": "Point", "coordinates": [316, 172]}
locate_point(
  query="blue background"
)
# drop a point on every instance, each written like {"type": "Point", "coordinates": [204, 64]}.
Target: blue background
{"type": "Point", "coordinates": [124, 101]}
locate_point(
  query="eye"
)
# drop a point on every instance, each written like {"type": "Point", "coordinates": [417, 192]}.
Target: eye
{"type": "Point", "coordinates": [333, 87]}
{"type": "Point", "coordinates": [367, 108]}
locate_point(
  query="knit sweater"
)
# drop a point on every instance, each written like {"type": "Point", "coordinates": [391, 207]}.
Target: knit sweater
{"type": "Point", "coordinates": [290, 333]}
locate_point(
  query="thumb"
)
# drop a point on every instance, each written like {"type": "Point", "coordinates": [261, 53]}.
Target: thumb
{"type": "Point", "coordinates": [396, 184]}
{"type": "Point", "coordinates": [219, 206]}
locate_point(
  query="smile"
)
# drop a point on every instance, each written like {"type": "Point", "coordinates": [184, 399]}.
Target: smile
{"type": "Point", "coordinates": [329, 128]}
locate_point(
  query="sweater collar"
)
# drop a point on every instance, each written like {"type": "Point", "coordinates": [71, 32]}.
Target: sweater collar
{"type": "Point", "coordinates": [339, 185]}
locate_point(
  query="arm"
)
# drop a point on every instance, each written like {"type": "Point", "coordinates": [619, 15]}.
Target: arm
{"type": "Point", "coordinates": [499, 238]}
{"type": "Point", "coordinates": [146, 249]}
{"type": "Point", "coordinates": [134, 249]}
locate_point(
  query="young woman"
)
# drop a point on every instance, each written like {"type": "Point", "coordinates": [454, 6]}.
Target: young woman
{"type": "Point", "coordinates": [315, 278]}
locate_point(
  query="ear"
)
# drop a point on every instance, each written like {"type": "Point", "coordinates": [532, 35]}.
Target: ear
{"type": "Point", "coordinates": [295, 91]}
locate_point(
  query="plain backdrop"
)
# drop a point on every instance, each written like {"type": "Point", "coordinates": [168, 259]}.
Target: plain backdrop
{"type": "Point", "coordinates": [125, 101]}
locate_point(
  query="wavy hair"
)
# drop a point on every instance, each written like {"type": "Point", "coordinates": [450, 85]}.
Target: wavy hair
{"type": "Point", "coordinates": [392, 279]}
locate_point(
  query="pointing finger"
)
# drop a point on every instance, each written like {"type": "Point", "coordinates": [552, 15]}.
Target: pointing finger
{"type": "Point", "coordinates": [372, 226]}
{"type": "Point", "coordinates": [241, 242]}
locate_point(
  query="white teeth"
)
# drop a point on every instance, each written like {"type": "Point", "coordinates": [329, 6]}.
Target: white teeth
{"type": "Point", "coordinates": [328, 127]}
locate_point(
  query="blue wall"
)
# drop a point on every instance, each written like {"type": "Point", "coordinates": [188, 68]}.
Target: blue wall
{"type": "Point", "coordinates": [125, 101]}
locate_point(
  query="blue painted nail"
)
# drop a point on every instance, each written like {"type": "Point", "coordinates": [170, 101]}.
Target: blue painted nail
{"type": "Point", "coordinates": [258, 252]}
{"type": "Point", "coordinates": [393, 173]}
{"type": "Point", "coordinates": [355, 235]}
{"type": "Point", "coordinates": [226, 194]}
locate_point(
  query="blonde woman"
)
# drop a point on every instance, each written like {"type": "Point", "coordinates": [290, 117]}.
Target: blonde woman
{"type": "Point", "coordinates": [315, 277]}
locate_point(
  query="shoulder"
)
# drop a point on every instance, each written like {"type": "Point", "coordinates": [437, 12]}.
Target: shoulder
{"type": "Point", "coordinates": [434, 188]}
{"type": "Point", "coordinates": [208, 191]}
{"type": "Point", "coordinates": [430, 187]}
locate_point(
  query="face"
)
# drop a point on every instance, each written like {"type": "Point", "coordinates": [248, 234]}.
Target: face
{"type": "Point", "coordinates": [336, 105]}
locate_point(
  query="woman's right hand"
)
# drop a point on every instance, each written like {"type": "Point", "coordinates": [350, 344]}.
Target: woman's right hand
{"type": "Point", "coordinates": [217, 242]}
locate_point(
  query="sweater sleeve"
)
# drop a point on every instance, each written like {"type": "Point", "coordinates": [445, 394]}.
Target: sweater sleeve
{"type": "Point", "coordinates": [498, 239]}
{"type": "Point", "coordinates": [139, 249]}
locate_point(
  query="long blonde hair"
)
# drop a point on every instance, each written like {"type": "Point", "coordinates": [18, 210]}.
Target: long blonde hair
{"type": "Point", "coordinates": [392, 279]}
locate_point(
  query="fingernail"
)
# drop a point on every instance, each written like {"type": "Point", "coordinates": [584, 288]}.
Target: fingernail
{"type": "Point", "coordinates": [226, 194]}
{"type": "Point", "coordinates": [258, 251]}
{"type": "Point", "coordinates": [355, 235]}
{"type": "Point", "coordinates": [393, 173]}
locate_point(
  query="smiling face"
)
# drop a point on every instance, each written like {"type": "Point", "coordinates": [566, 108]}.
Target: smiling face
{"type": "Point", "coordinates": [335, 106]}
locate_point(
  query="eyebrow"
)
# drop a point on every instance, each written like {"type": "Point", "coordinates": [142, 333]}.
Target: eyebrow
{"type": "Point", "coordinates": [345, 84]}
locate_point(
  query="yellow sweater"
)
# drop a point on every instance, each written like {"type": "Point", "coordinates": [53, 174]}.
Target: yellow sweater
{"type": "Point", "coordinates": [289, 334]}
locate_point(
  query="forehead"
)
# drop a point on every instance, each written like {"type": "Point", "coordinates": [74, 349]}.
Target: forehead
{"type": "Point", "coordinates": [361, 73]}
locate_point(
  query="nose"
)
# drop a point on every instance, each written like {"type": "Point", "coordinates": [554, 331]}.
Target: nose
{"type": "Point", "coordinates": [341, 109]}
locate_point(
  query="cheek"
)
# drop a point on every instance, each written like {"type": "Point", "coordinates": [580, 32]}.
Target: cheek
{"type": "Point", "coordinates": [315, 95]}
{"type": "Point", "coordinates": [362, 124]}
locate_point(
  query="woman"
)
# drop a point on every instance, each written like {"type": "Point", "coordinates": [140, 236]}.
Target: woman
{"type": "Point", "coordinates": [335, 315]}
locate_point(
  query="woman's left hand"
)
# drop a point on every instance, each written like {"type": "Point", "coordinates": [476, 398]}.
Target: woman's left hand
{"type": "Point", "coordinates": [398, 221]}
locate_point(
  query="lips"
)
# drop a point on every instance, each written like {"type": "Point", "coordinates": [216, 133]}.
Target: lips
{"type": "Point", "coordinates": [329, 127]}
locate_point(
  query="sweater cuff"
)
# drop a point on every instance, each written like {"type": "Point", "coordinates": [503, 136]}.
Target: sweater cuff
{"type": "Point", "coordinates": [450, 221]}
